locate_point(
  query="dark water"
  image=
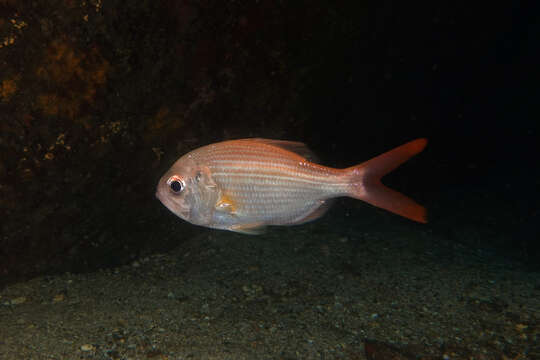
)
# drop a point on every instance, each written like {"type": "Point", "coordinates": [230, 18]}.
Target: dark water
{"type": "Point", "coordinates": [97, 102]}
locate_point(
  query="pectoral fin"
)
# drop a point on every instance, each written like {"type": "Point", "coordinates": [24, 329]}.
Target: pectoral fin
{"type": "Point", "coordinates": [226, 205]}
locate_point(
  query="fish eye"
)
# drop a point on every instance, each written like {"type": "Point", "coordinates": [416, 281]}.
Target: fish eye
{"type": "Point", "coordinates": [176, 184]}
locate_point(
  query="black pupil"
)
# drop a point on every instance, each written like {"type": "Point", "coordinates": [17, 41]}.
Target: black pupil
{"type": "Point", "coordinates": [176, 186]}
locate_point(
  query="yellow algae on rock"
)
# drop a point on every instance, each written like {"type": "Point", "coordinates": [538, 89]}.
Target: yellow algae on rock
{"type": "Point", "coordinates": [8, 87]}
{"type": "Point", "coordinates": [73, 77]}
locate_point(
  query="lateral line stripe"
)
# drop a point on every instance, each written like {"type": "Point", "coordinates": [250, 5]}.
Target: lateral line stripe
{"type": "Point", "coordinates": [293, 179]}
{"type": "Point", "coordinates": [262, 167]}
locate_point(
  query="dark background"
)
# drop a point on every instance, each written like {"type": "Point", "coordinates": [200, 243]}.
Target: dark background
{"type": "Point", "coordinates": [97, 101]}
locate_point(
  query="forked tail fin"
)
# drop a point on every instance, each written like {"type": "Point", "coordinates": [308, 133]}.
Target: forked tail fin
{"type": "Point", "coordinates": [365, 182]}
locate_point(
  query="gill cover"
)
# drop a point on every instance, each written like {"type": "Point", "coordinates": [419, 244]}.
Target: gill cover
{"type": "Point", "coordinates": [201, 196]}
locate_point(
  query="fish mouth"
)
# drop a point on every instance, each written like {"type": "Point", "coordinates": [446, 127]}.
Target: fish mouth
{"type": "Point", "coordinates": [176, 208]}
{"type": "Point", "coordinates": [159, 195]}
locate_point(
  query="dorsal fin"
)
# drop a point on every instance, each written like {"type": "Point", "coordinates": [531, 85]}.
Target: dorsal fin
{"type": "Point", "coordinates": [293, 146]}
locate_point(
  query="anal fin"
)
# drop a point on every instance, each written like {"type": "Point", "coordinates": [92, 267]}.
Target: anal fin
{"type": "Point", "coordinates": [314, 214]}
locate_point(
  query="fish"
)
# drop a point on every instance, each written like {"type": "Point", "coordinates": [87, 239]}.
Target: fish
{"type": "Point", "coordinates": [244, 185]}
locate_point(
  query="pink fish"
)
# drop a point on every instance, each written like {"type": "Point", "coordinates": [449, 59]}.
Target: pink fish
{"type": "Point", "coordinates": [244, 185]}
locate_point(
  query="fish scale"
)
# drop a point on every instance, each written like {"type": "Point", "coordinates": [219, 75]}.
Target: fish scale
{"type": "Point", "coordinates": [290, 184]}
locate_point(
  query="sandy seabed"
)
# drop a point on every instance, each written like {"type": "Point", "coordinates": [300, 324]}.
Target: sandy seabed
{"type": "Point", "coordinates": [306, 292]}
